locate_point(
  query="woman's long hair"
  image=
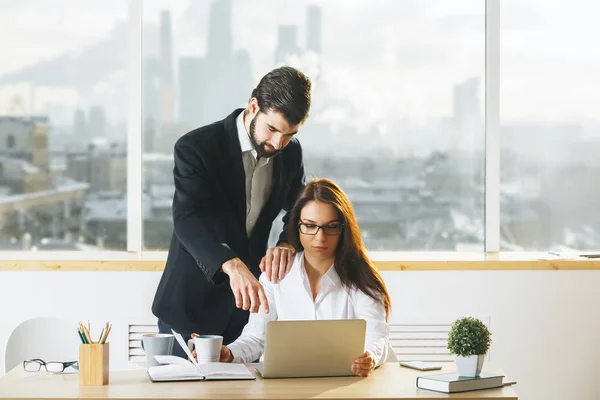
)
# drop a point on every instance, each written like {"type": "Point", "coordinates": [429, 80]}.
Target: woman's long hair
{"type": "Point", "coordinates": [353, 266]}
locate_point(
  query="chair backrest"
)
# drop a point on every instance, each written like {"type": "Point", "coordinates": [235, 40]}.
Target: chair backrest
{"type": "Point", "coordinates": [50, 339]}
{"type": "Point", "coordinates": [392, 357]}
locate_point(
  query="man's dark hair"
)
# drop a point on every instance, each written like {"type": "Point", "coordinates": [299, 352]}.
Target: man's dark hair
{"type": "Point", "coordinates": [285, 90]}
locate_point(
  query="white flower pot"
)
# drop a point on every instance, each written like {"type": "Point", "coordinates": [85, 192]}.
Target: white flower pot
{"type": "Point", "coordinates": [469, 366]}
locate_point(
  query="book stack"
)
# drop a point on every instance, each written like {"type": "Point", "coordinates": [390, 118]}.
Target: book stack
{"type": "Point", "coordinates": [452, 383]}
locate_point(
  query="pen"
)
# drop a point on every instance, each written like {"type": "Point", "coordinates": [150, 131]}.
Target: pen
{"type": "Point", "coordinates": [86, 334]}
{"type": "Point", "coordinates": [106, 330]}
{"type": "Point", "coordinates": [81, 336]}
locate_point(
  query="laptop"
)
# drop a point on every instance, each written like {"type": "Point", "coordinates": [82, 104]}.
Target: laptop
{"type": "Point", "coordinates": [301, 349]}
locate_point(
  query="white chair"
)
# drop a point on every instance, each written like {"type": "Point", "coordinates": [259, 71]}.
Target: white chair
{"type": "Point", "coordinates": [50, 339]}
{"type": "Point", "coordinates": [392, 357]}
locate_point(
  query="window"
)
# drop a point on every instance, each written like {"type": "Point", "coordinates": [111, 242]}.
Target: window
{"type": "Point", "coordinates": [550, 128]}
{"type": "Point", "coordinates": [63, 105]}
{"type": "Point", "coordinates": [397, 116]}
{"type": "Point", "coordinates": [397, 92]}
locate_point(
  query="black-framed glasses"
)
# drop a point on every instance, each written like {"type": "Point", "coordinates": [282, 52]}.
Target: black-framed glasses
{"type": "Point", "coordinates": [55, 367]}
{"type": "Point", "coordinates": [313, 229]}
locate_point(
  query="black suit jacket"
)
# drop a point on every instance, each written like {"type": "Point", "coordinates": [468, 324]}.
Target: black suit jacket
{"type": "Point", "coordinates": [209, 216]}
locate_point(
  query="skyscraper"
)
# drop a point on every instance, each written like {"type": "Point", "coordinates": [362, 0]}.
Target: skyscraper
{"type": "Point", "coordinates": [220, 38]}
{"type": "Point", "coordinates": [466, 103]}
{"type": "Point", "coordinates": [313, 29]}
{"type": "Point", "coordinates": [151, 89]}
{"type": "Point", "coordinates": [97, 122]}
{"type": "Point", "coordinates": [212, 86]}
{"type": "Point", "coordinates": [167, 95]}
{"type": "Point", "coordinates": [79, 124]}
{"type": "Point", "coordinates": [192, 72]}
{"type": "Point", "coordinates": [287, 43]}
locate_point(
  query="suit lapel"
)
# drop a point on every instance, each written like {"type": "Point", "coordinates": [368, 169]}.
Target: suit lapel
{"type": "Point", "coordinates": [237, 185]}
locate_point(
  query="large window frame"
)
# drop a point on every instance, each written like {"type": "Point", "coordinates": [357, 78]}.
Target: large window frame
{"type": "Point", "coordinates": [135, 258]}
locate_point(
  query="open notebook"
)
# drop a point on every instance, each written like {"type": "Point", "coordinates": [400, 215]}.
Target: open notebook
{"type": "Point", "coordinates": [177, 369]}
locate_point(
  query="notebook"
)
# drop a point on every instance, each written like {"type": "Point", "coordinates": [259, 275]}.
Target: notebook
{"type": "Point", "coordinates": [452, 383]}
{"type": "Point", "coordinates": [174, 368]}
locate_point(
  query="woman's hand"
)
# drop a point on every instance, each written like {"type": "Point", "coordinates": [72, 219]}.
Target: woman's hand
{"type": "Point", "coordinates": [225, 356]}
{"type": "Point", "coordinates": [363, 365]}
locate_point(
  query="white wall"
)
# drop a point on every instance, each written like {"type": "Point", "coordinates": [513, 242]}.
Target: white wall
{"type": "Point", "coordinates": [545, 334]}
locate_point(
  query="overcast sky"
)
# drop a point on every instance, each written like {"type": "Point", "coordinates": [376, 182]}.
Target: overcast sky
{"type": "Point", "coordinates": [388, 58]}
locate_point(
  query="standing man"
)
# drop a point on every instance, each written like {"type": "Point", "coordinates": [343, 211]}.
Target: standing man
{"type": "Point", "coordinates": [232, 179]}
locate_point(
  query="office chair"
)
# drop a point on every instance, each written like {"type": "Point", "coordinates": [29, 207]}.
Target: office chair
{"type": "Point", "coordinates": [392, 357]}
{"type": "Point", "coordinates": [50, 339]}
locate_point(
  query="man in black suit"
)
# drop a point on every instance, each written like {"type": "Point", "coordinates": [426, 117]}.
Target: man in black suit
{"type": "Point", "coordinates": [232, 179]}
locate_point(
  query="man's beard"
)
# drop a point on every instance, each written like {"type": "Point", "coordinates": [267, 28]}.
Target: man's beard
{"type": "Point", "coordinates": [261, 148]}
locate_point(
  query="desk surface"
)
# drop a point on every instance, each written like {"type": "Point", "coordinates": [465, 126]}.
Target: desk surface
{"type": "Point", "coordinates": [390, 381]}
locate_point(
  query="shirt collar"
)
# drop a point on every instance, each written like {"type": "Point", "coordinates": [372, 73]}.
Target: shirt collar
{"type": "Point", "coordinates": [330, 276]}
{"type": "Point", "coordinates": [245, 142]}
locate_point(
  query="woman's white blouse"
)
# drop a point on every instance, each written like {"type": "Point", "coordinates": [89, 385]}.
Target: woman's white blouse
{"type": "Point", "coordinates": [291, 299]}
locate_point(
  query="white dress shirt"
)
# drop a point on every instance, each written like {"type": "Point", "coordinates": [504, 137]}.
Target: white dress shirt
{"type": "Point", "coordinates": [291, 299]}
{"type": "Point", "coordinates": [259, 176]}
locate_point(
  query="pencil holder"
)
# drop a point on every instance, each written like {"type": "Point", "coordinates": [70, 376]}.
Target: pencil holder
{"type": "Point", "coordinates": [93, 364]}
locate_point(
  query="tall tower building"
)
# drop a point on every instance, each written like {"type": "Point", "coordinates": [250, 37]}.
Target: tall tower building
{"type": "Point", "coordinates": [220, 38]}
{"type": "Point", "coordinates": [97, 122]}
{"type": "Point", "coordinates": [167, 95]}
{"type": "Point", "coordinates": [468, 135]}
{"type": "Point", "coordinates": [313, 29]}
{"type": "Point", "coordinates": [79, 124]}
{"type": "Point", "coordinates": [192, 93]}
{"type": "Point", "coordinates": [467, 105]}
{"type": "Point", "coordinates": [287, 43]}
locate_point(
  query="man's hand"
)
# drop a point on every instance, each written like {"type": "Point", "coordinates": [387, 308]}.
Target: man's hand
{"type": "Point", "coordinates": [226, 355]}
{"type": "Point", "coordinates": [363, 365]}
{"type": "Point", "coordinates": [247, 290]}
{"type": "Point", "coordinates": [277, 262]}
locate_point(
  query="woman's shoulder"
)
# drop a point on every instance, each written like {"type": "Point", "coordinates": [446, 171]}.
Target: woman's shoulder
{"type": "Point", "coordinates": [296, 265]}
{"type": "Point", "coordinates": [358, 296]}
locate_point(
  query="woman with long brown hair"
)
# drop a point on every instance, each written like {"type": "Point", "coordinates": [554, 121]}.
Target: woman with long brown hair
{"type": "Point", "coordinates": [331, 278]}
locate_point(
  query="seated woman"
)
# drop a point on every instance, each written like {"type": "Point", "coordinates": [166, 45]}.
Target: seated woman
{"type": "Point", "coordinates": [331, 278]}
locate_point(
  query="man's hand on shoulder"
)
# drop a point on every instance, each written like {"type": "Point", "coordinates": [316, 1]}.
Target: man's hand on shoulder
{"type": "Point", "coordinates": [248, 292]}
{"type": "Point", "coordinates": [278, 262]}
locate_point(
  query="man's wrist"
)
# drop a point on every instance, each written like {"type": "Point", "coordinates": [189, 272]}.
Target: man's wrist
{"type": "Point", "coordinates": [230, 265]}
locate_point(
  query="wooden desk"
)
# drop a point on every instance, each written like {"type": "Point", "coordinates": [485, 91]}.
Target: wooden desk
{"type": "Point", "coordinates": [390, 381]}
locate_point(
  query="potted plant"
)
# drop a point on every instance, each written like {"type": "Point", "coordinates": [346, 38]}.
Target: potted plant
{"type": "Point", "coordinates": [469, 340]}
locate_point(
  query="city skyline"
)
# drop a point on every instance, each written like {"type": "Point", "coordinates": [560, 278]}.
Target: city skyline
{"type": "Point", "coordinates": [412, 61]}
{"type": "Point", "coordinates": [406, 120]}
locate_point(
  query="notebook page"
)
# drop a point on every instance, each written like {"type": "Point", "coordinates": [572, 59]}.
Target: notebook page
{"type": "Point", "coordinates": [225, 370]}
{"type": "Point", "coordinates": [184, 347]}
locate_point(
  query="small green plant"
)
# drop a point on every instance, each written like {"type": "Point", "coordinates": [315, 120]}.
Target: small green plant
{"type": "Point", "coordinates": [469, 336]}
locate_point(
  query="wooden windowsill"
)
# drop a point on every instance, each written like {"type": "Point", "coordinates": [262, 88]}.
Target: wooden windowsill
{"type": "Point", "coordinates": [383, 261]}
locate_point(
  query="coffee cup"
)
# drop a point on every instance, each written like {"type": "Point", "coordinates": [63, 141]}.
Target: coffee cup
{"type": "Point", "coordinates": [208, 347]}
{"type": "Point", "coordinates": [157, 344]}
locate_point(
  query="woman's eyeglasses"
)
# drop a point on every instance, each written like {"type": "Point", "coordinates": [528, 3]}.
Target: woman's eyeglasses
{"type": "Point", "coordinates": [313, 229]}
{"type": "Point", "coordinates": [36, 364]}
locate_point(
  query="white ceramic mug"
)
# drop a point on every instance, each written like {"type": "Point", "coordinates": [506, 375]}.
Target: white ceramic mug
{"type": "Point", "coordinates": [157, 344]}
{"type": "Point", "coordinates": [208, 347]}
